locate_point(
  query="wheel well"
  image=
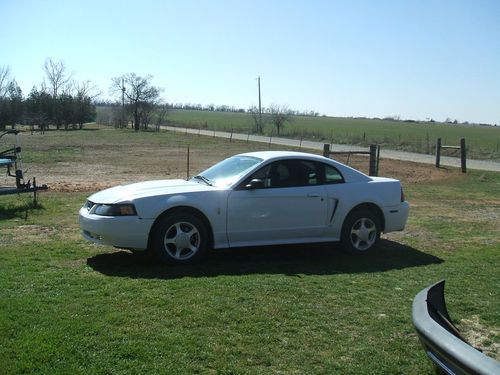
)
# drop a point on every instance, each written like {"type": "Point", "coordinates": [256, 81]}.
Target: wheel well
{"type": "Point", "coordinates": [373, 208]}
{"type": "Point", "coordinates": [184, 209]}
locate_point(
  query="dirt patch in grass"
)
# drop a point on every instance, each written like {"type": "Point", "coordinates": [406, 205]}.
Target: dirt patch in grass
{"type": "Point", "coordinates": [72, 263]}
{"type": "Point", "coordinates": [86, 178]}
{"type": "Point", "coordinates": [94, 160]}
{"type": "Point", "coordinates": [481, 337]}
{"type": "Point", "coordinates": [409, 172]}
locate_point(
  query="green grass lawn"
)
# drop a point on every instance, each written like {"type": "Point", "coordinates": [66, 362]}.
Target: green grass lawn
{"type": "Point", "coordinates": [68, 306]}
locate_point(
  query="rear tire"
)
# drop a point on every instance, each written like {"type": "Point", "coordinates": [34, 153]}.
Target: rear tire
{"type": "Point", "coordinates": [360, 232]}
{"type": "Point", "coordinates": [180, 238]}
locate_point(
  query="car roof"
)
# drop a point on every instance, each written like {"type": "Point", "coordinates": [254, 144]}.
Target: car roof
{"type": "Point", "coordinates": [267, 155]}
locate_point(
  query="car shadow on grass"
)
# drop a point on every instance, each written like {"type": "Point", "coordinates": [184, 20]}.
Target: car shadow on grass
{"type": "Point", "coordinates": [308, 259]}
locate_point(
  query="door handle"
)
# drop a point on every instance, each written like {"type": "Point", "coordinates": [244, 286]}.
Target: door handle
{"type": "Point", "coordinates": [313, 195]}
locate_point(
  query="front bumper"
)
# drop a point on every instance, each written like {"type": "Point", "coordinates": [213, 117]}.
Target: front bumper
{"type": "Point", "coordinates": [441, 340]}
{"type": "Point", "coordinates": [121, 231]}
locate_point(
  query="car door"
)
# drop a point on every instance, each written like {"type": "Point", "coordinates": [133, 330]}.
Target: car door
{"type": "Point", "coordinates": [290, 206]}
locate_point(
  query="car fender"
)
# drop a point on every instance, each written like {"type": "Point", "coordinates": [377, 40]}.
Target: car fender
{"type": "Point", "coordinates": [344, 209]}
{"type": "Point", "coordinates": [212, 206]}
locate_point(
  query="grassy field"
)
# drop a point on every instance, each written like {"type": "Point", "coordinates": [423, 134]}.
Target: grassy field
{"type": "Point", "coordinates": [67, 306]}
{"type": "Point", "coordinates": [482, 141]}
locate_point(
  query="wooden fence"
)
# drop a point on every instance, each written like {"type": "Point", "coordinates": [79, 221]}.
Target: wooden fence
{"type": "Point", "coordinates": [374, 153]}
{"type": "Point", "coordinates": [463, 153]}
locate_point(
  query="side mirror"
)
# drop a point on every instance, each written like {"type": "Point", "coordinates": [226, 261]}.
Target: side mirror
{"type": "Point", "coordinates": [256, 183]}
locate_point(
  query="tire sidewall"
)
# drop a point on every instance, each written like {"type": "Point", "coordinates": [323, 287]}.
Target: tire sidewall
{"type": "Point", "coordinates": [160, 232]}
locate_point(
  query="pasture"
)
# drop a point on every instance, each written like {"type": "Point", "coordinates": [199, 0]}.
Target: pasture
{"type": "Point", "coordinates": [482, 141]}
{"type": "Point", "coordinates": [68, 306]}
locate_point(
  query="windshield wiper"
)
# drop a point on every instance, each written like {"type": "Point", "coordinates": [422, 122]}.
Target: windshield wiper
{"type": "Point", "coordinates": [204, 179]}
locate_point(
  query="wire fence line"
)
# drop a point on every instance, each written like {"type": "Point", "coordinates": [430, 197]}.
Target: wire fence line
{"type": "Point", "coordinates": [425, 144]}
{"type": "Point", "coordinates": [304, 144]}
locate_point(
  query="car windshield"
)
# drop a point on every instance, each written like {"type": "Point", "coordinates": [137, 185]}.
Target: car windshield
{"type": "Point", "coordinates": [228, 171]}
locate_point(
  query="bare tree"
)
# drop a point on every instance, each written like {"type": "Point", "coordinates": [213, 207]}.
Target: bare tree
{"type": "Point", "coordinates": [139, 92]}
{"type": "Point", "coordinates": [4, 100]}
{"type": "Point", "coordinates": [4, 80]}
{"type": "Point", "coordinates": [59, 83]}
{"type": "Point", "coordinates": [161, 115]}
{"type": "Point", "coordinates": [279, 115]}
{"type": "Point", "coordinates": [146, 113]}
{"type": "Point", "coordinates": [258, 124]}
{"type": "Point", "coordinates": [56, 76]}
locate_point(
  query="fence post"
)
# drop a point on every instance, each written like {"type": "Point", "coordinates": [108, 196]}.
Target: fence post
{"type": "Point", "coordinates": [35, 202]}
{"type": "Point", "coordinates": [463, 155]}
{"type": "Point", "coordinates": [187, 166]}
{"type": "Point", "coordinates": [373, 160]}
{"type": "Point", "coordinates": [231, 137]}
{"type": "Point", "coordinates": [378, 158]}
{"type": "Point", "coordinates": [326, 150]}
{"type": "Point", "coordinates": [438, 152]}
{"type": "Point", "coordinates": [270, 139]}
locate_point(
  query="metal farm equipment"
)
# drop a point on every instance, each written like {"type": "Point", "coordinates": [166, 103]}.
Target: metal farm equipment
{"type": "Point", "coordinates": [10, 159]}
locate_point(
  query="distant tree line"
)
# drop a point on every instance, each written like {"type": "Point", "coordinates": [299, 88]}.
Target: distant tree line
{"type": "Point", "coordinates": [428, 120]}
{"type": "Point", "coordinates": [215, 108]}
{"type": "Point", "coordinates": [59, 101]}
{"type": "Point", "coordinates": [227, 108]}
{"type": "Point", "coordinates": [141, 107]}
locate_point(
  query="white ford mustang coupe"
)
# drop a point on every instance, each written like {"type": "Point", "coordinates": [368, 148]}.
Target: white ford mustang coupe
{"type": "Point", "coordinates": [258, 198]}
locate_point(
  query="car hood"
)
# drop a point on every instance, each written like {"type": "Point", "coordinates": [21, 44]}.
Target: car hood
{"type": "Point", "coordinates": [128, 193]}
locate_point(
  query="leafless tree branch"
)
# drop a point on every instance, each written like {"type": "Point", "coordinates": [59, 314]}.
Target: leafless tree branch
{"type": "Point", "coordinates": [4, 80]}
{"type": "Point", "coordinates": [56, 75]}
{"type": "Point", "coordinates": [140, 93]}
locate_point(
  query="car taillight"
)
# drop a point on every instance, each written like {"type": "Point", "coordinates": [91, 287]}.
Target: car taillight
{"type": "Point", "coordinates": [402, 195]}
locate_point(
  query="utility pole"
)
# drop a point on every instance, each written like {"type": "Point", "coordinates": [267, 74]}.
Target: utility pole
{"type": "Point", "coordinates": [260, 109]}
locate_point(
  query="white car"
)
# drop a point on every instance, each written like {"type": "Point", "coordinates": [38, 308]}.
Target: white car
{"type": "Point", "coordinates": [252, 199]}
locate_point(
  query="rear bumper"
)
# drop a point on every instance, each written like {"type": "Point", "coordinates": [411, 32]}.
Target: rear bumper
{"type": "Point", "coordinates": [396, 217]}
{"type": "Point", "coordinates": [119, 231]}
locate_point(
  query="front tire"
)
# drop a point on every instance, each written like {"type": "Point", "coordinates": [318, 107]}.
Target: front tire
{"type": "Point", "coordinates": [180, 238]}
{"type": "Point", "coordinates": [360, 232]}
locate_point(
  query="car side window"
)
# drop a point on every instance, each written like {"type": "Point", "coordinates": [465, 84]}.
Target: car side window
{"type": "Point", "coordinates": [332, 175]}
{"type": "Point", "coordinates": [289, 173]}
{"type": "Point", "coordinates": [307, 173]}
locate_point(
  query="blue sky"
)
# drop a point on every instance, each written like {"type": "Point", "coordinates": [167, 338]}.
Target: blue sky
{"type": "Point", "coordinates": [415, 59]}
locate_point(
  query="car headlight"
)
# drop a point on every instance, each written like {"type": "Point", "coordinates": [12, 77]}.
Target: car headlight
{"type": "Point", "coordinates": [125, 209]}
